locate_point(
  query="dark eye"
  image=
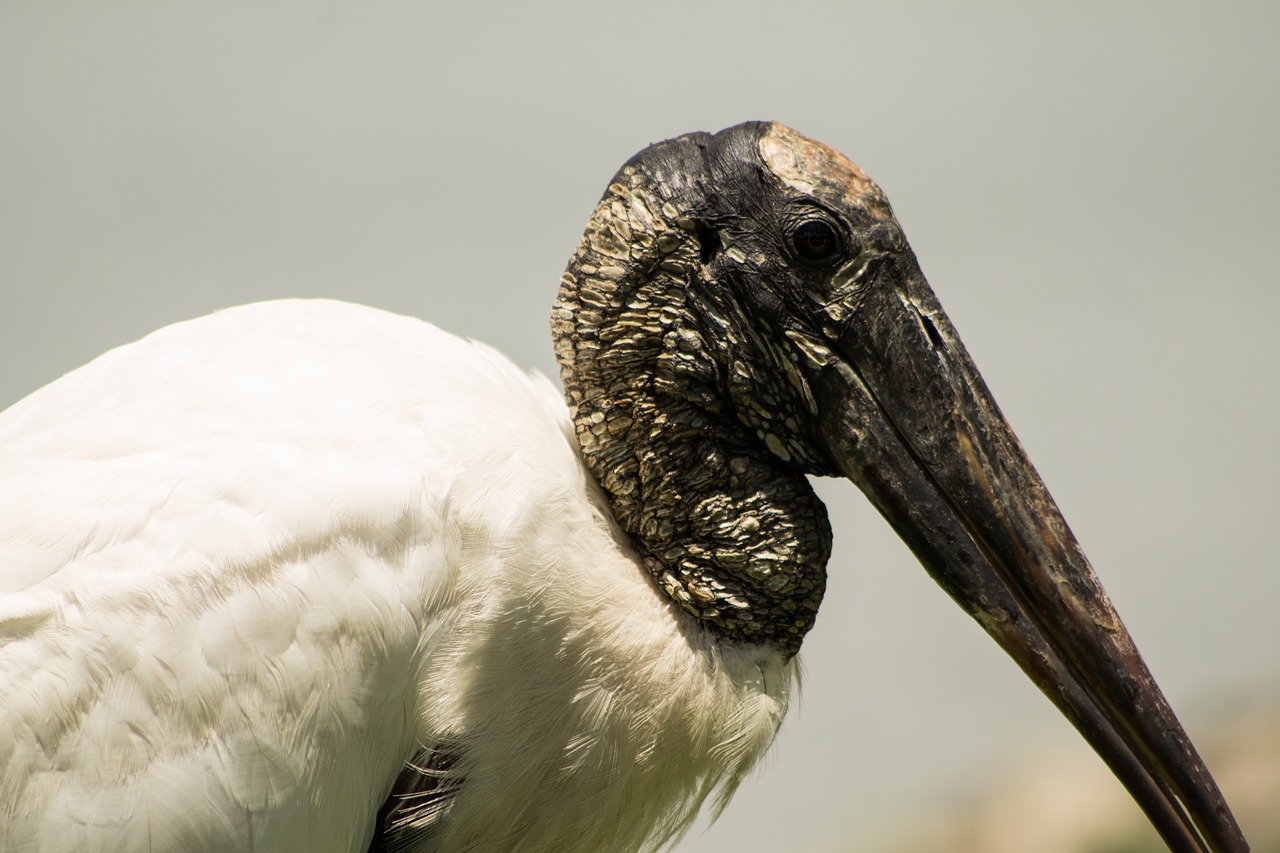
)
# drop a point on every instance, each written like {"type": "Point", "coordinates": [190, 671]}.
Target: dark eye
{"type": "Point", "coordinates": [816, 242]}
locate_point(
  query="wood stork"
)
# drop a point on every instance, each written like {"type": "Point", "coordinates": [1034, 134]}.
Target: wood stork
{"type": "Point", "coordinates": [307, 576]}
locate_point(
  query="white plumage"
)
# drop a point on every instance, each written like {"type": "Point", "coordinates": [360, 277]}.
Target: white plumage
{"type": "Point", "coordinates": [253, 561]}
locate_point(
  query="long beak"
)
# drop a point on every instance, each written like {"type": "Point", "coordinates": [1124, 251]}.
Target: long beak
{"type": "Point", "coordinates": [907, 418]}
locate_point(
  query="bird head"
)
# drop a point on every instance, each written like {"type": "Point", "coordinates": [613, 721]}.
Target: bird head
{"type": "Point", "coordinates": [743, 311]}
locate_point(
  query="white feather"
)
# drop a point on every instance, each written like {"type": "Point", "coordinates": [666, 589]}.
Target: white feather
{"type": "Point", "coordinates": [252, 562]}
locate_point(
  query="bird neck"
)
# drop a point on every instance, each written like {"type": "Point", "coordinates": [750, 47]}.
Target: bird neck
{"type": "Point", "coordinates": [729, 531]}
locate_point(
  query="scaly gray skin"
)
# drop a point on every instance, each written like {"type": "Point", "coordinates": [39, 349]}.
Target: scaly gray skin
{"type": "Point", "coordinates": [681, 326]}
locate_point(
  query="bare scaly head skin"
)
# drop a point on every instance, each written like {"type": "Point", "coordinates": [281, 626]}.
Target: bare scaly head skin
{"type": "Point", "coordinates": [685, 326]}
{"type": "Point", "coordinates": [688, 406]}
{"type": "Point", "coordinates": [820, 171]}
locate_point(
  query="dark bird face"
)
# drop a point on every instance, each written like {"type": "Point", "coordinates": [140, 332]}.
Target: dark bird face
{"type": "Point", "coordinates": [744, 310]}
{"type": "Point", "coordinates": [790, 235]}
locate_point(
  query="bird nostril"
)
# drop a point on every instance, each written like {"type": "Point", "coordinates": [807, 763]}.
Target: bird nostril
{"type": "Point", "coordinates": [935, 337]}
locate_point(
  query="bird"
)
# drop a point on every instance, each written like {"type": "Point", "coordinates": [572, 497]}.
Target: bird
{"type": "Point", "coordinates": [306, 575]}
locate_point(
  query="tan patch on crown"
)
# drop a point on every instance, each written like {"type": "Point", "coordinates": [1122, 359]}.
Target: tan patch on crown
{"type": "Point", "coordinates": [818, 170]}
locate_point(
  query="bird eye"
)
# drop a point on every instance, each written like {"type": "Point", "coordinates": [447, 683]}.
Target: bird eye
{"type": "Point", "coordinates": [815, 242]}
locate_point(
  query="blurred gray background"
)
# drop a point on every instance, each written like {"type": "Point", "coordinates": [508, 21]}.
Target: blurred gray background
{"type": "Point", "coordinates": [1091, 189]}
